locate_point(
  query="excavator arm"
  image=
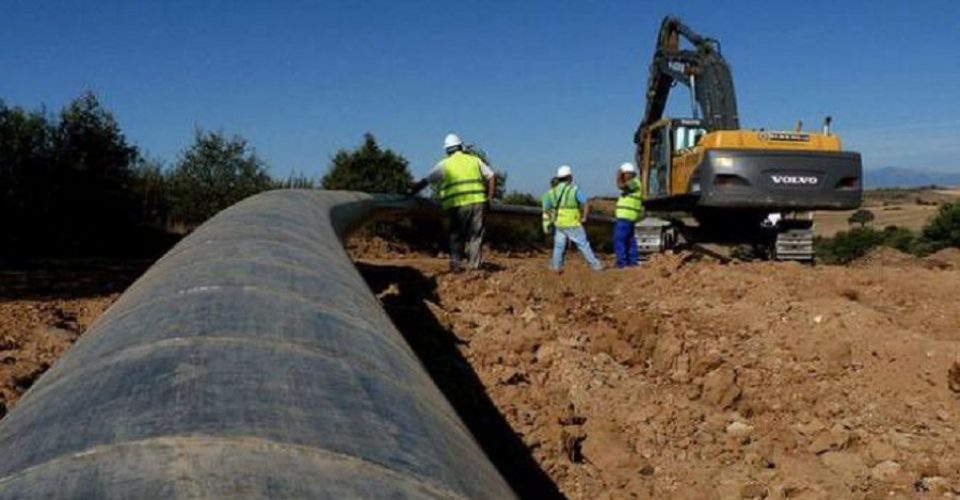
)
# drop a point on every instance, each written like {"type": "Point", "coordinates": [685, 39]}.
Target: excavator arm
{"type": "Point", "coordinates": [702, 69]}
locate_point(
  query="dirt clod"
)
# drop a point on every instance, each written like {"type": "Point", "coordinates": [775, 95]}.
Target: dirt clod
{"type": "Point", "coordinates": [953, 377]}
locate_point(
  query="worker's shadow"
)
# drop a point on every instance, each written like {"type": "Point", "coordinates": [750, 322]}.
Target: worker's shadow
{"type": "Point", "coordinates": [437, 348]}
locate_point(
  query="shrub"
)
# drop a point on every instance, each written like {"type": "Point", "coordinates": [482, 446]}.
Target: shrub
{"type": "Point", "coordinates": [846, 246]}
{"type": "Point", "coordinates": [943, 230]}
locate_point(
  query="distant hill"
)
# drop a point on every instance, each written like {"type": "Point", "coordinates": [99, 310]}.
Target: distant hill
{"type": "Point", "coordinates": [907, 177]}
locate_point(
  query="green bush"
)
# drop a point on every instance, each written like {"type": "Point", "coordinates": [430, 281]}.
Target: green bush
{"type": "Point", "coordinates": [900, 238]}
{"type": "Point", "coordinates": [846, 246]}
{"type": "Point", "coordinates": [943, 230]}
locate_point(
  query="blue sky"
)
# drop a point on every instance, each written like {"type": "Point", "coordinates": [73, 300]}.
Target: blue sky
{"type": "Point", "coordinates": [534, 83]}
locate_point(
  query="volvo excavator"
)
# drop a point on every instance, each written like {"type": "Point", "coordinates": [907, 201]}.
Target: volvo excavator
{"type": "Point", "coordinates": [753, 187]}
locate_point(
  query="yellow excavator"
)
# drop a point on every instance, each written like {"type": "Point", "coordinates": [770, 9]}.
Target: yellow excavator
{"type": "Point", "coordinates": [756, 187]}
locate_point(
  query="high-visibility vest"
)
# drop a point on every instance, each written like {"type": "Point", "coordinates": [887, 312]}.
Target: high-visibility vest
{"type": "Point", "coordinates": [630, 204]}
{"type": "Point", "coordinates": [563, 197]}
{"type": "Point", "coordinates": [463, 182]}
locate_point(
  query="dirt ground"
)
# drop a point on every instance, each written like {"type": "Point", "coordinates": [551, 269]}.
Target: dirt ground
{"type": "Point", "coordinates": [696, 379]}
{"type": "Point", "coordinates": [685, 378]}
{"type": "Point", "coordinates": [44, 308]}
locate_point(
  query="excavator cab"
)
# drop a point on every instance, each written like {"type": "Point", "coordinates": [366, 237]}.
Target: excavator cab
{"type": "Point", "coordinates": [669, 142]}
{"type": "Point", "coordinates": [656, 164]}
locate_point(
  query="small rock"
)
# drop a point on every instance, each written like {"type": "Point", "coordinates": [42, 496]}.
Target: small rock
{"type": "Point", "coordinates": [885, 471]}
{"type": "Point", "coordinates": [849, 465]}
{"type": "Point", "coordinates": [753, 489]}
{"type": "Point", "coordinates": [810, 428]}
{"type": "Point", "coordinates": [833, 439]}
{"type": "Point", "coordinates": [720, 387]}
{"type": "Point", "coordinates": [739, 429]}
{"type": "Point", "coordinates": [528, 315]}
{"type": "Point", "coordinates": [607, 449]}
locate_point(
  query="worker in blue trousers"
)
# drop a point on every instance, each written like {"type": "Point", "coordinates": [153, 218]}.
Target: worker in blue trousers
{"type": "Point", "coordinates": [628, 212]}
{"type": "Point", "coordinates": [567, 209]}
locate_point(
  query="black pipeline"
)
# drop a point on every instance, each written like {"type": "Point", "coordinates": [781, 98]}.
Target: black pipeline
{"type": "Point", "coordinates": [251, 361]}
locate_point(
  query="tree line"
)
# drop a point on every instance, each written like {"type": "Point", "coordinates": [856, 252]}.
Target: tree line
{"type": "Point", "coordinates": [72, 183]}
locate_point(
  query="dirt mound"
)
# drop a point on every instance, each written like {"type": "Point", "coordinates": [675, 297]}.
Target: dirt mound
{"type": "Point", "coordinates": [703, 380]}
{"type": "Point", "coordinates": [886, 256]}
{"type": "Point", "coordinates": [946, 258]}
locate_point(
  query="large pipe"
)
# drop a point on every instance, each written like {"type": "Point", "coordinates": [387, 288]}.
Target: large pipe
{"type": "Point", "coordinates": [251, 361]}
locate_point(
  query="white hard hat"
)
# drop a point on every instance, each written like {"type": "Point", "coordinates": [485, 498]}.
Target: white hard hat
{"type": "Point", "coordinates": [451, 141]}
{"type": "Point", "coordinates": [628, 168]}
{"type": "Point", "coordinates": [564, 171]}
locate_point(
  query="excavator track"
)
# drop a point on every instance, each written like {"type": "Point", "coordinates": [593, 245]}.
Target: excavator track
{"type": "Point", "coordinates": [794, 241]}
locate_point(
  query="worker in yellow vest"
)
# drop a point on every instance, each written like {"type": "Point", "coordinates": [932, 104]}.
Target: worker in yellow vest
{"type": "Point", "coordinates": [547, 219]}
{"type": "Point", "coordinates": [465, 185]}
{"type": "Point", "coordinates": [628, 212]}
{"type": "Point", "coordinates": [568, 209]}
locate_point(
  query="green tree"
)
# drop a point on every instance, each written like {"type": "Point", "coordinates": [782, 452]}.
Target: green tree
{"type": "Point", "coordinates": [150, 189]}
{"type": "Point", "coordinates": [212, 174]}
{"type": "Point", "coordinates": [862, 217]}
{"type": "Point", "coordinates": [26, 164]}
{"type": "Point", "coordinates": [369, 169]}
{"type": "Point", "coordinates": [65, 179]}
{"type": "Point", "coordinates": [94, 167]}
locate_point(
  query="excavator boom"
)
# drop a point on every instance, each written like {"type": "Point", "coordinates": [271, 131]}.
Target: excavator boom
{"type": "Point", "coordinates": [702, 69]}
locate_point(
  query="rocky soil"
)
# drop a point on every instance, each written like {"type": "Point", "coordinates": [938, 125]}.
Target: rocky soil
{"type": "Point", "coordinates": [44, 308]}
{"type": "Point", "coordinates": [696, 379]}
{"type": "Point", "coordinates": [686, 378]}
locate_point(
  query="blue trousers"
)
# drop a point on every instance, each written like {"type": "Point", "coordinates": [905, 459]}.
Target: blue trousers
{"type": "Point", "coordinates": [579, 238]}
{"type": "Point", "coordinates": [625, 243]}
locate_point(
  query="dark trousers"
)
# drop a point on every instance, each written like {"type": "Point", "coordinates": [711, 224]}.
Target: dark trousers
{"type": "Point", "coordinates": [466, 235]}
{"type": "Point", "coordinates": [625, 242]}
